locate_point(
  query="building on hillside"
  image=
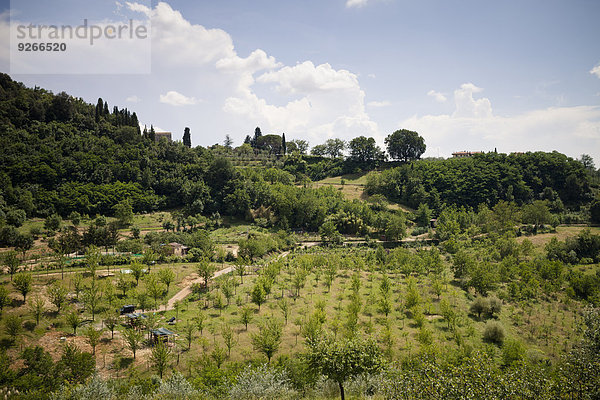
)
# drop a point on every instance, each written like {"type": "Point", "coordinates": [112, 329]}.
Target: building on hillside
{"type": "Point", "coordinates": [162, 334]}
{"type": "Point", "coordinates": [463, 154]}
{"type": "Point", "coordinates": [177, 249]}
{"type": "Point", "coordinates": [159, 135]}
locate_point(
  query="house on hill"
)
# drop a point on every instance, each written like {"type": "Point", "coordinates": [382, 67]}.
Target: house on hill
{"type": "Point", "coordinates": [177, 249]}
{"type": "Point", "coordinates": [463, 154]}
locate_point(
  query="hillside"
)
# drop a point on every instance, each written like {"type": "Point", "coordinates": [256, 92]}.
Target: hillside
{"type": "Point", "coordinates": [472, 278]}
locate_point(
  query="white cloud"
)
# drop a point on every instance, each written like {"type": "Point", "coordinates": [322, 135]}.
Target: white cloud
{"type": "Point", "coordinates": [177, 99]}
{"type": "Point", "coordinates": [439, 97]}
{"type": "Point", "coordinates": [473, 126]}
{"type": "Point", "coordinates": [596, 71]}
{"type": "Point", "coordinates": [133, 99]}
{"type": "Point", "coordinates": [377, 104]}
{"type": "Point", "coordinates": [372, 76]}
{"type": "Point", "coordinates": [356, 3]}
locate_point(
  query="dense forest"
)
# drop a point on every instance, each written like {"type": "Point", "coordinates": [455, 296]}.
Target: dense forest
{"type": "Point", "coordinates": [274, 273]}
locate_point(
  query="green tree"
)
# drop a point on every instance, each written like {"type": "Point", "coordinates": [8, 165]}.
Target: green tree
{"type": "Point", "coordinates": [159, 357]}
{"type": "Point", "coordinates": [206, 270]}
{"type": "Point", "coordinates": [73, 320]}
{"type": "Point", "coordinates": [258, 294]}
{"type": "Point", "coordinates": [11, 262]}
{"type": "Point", "coordinates": [480, 306]}
{"type": "Point", "coordinates": [22, 282]}
{"type": "Point", "coordinates": [364, 150]}
{"type": "Point", "coordinates": [335, 147]}
{"type": "Point", "coordinates": [268, 339]}
{"type": "Point", "coordinates": [154, 288]}
{"type": "Point", "coordinates": [284, 306]}
{"type": "Point", "coordinates": [188, 332]}
{"type": "Point", "coordinates": [342, 359]}
{"type": "Point", "coordinates": [13, 326]}
{"type": "Point", "coordinates": [53, 222]}
{"type": "Point", "coordinates": [92, 336]}
{"type": "Point", "coordinates": [137, 270]}
{"type": "Point", "coordinates": [57, 295]}
{"type": "Point", "coordinates": [228, 338]}
{"type": "Point", "coordinates": [111, 322]}
{"type": "Point", "coordinates": [537, 213]}
{"type": "Point", "coordinates": [133, 339]}
{"type": "Point", "coordinates": [124, 213]}
{"type": "Point", "coordinates": [246, 314]}
{"type": "Point", "coordinates": [405, 145]}
{"type": "Point", "coordinates": [92, 260]}
{"type": "Point", "coordinates": [92, 298]}
{"type": "Point", "coordinates": [37, 306]}
{"type": "Point", "coordinates": [187, 137]}
{"type": "Point", "coordinates": [166, 276]}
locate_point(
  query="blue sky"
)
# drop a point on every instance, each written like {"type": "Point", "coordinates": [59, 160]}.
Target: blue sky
{"type": "Point", "coordinates": [467, 75]}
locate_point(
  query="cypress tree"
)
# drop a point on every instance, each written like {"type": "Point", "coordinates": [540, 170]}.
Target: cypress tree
{"type": "Point", "coordinates": [283, 145]}
{"type": "Point", "coordinates": [152, 135]}
{"type": "Point", "coordinates": [187, 138]}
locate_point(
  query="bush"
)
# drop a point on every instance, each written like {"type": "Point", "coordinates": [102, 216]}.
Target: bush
{"type": "Point", "coordinates": [480, 306]}
{"type": "Point", "coordinates": [261, 383]}
{"type": "Point", "coordinates": [495, 306]}
{"type": "Point", "coordinates": [494, 332]}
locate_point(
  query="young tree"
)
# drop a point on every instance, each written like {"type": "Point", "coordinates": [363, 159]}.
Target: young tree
{"type": "Point", "coordinates": [200, 320]}
{"type": "Point", "coordinates": [206, 270]}
{"type": "Point", "coordinates": [4, 298]}
{"type": "Point", "coordinates": [11, 262]}
{"type": "Point", "coordinates": [111, 323]}
{"type": "Point", "coordinates": [57, 295]}
{"type": "Point", "coordinates": [246, 315]}
{"type": "Point", "coordinates": [73, 320]}
{"type": "Point", "coordinates": [166, 276]}
{"type": "Point", "coordinates": [137, 270]}
{"type": "Point", "coordinates": [13, 326]}
{"type": "Point", "coordinates": [22, 282]}
{"type": "Point", "coordinates": [258, 294]}
{"type": "Point", "coordinates": [284, 306]}
{"type": "Point", "coordinates": [124, 213]}
{"type": "Point", "coordinates": [92, 260]}
{"type": "Point", "coordinates": [37, 307]}
{"type": "Point", "coordinates": [228, 338]}
{"type": "Point", "coordinates": [160, 356]}
{"type": "Point", "coordinates": [92, 298]}
{"type": "Point", "coordinates": [93, 337]}
{"type": "Point", "coordinates": [133, 338]}
{"type": "Point", "coordinates": [240, 268]}
{"type": "Point", "coordinates": [340, 360]}
{"type": "Point", "coordinates": [154, 288]}
{"type": "Point", "coordinates": [189, 331]}
{"type": "Point", "coordinates": [268, 339]}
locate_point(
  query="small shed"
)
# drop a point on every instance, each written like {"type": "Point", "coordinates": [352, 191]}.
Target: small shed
{"type": "Point", "coordinates": [135, 319]}
{"type": "Point", "coordinates": [161, 334]}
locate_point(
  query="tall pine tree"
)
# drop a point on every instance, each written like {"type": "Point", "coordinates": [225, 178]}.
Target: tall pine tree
{"type": "Point", "coordinates": [283, 145]}
{"type": "Point", "coordinates": [187, 138]}
{"type": "Point", "coordinates": [152, 134]}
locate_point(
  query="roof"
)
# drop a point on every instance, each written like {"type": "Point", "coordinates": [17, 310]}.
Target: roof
{"type": "Point", "coordinates": [162, 332]}
{"type": "Point", "coordinates": [175, 244]}
{"type": "Point", "coordinates": [136, 315]}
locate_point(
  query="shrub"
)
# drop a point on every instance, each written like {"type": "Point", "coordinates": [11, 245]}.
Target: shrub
{"type": "Point", "coordinates": [261, 383]}
{"type": "Point", "coordinates": [480, 306]}
{"type": "Point", "coordinates": [493, 332]}
{"type": "Point", "coordinates": [495, 305]}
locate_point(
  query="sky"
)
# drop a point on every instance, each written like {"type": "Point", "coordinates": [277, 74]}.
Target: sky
{"type": "Point", "coordinates": [471, 75]}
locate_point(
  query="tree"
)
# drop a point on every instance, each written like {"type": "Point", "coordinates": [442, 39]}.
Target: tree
{"type": "Point", "coordinates": [228, 338]}
{"type": "Point", "coordinates": [22, 282]}
{"type": "Point", "coordinates": [91, 298]}
{"type": "Point", "coordinates": [228, 142]}
{"type": "Point", "coordinates": [257, 135]}
{"type": "Point", "coordinates": [160, 356]}
{"type": "Point", "coordinates": [246, 315]}
{"type": "Point", "coordinates": [364, 150]}
{"type": "Point", "coordinates": [537, 213]}
{"type": "Point", "coordinates": [189, 331]}
{"type": "Point", "coordinates": [240, 268]}
{"type": "Point", "coordinates": [480, 306]}
{"type": "Point", "coordinates": [187, 138]}
{"type": "Point", "coordinates": [11, 262]}
{"type": "Point", "coordinates": [283, 144]}
{"type": "Point", "coordinates": [4, 298]}
{"type": "Point", "coordinates": [166, 276]}
{"type": "Point", "coordinates": [268, 339]}
{"type": "Point", "coordinates": [93, 337]}
{"type": "Point", "coordinates": [124, 213]}
{"type": "Point", "coordinates": [588, 162]}
{"type": "Point", "coordinates": [57, 295]}
{"type": "Point", "coordinates": [154, 288]}
{"type": "Point", "coordinates": [37, 307]}
{"type": "Point", "coordinates": [92, 260]}
{"type": "Point", "coordinates": [13, 326]}
{"type": "Point", "coordinates": [335, 147]}
{"type": "Point", "coordinates": [111, 323]}
{"type": "Point", "coordinates": [284, 306]}
{"type": "Point", "coordinates": [52, 222]}
{"type": "Point", "coordinates": [340, 360]}
{"type": "Point", "coordinates": [258, 294]}
{"type": "Point", "coordinates": [137, 270]}
{"type": "Point", "coordinates": [200, 320]}
{"type": "Point", "coordinates": [405, 145]}
{"type": "Point", "coordinates": [133, 338]}
{"type": "Point", "coordinates": [73, 320]}
{"type": "Point", "coordinates": [319, 150]}
{"type": "Point", "coordinates": [206, 270]}
{"type": "Point", "coordinates": [301, 145]}
{"type": "Point", "coordinates": [152, 134]}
